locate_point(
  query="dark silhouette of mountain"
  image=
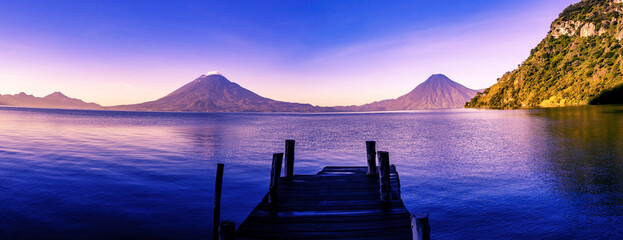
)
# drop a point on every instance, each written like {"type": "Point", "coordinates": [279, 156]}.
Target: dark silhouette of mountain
{"type": "Point", "coordinates": [438, 91]}
{"type": "Point", "coordinates": [54, 100]}
{"type": "Point", "coordinates": [213, 92]}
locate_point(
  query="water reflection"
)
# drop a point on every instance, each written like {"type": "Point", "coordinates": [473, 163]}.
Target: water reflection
{"type": "Point", "coordinates": [585, 156]}
{"type": "Point", "coordinates": [547, 173]}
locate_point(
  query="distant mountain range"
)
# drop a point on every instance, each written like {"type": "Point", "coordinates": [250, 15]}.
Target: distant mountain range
{"type": "Point", "coordinates": [213, 92]}
{"type": "Point", "coordinates": [54, 100]}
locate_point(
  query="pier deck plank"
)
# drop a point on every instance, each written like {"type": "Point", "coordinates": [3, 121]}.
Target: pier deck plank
{"type": "Point", "coordinates": [336, 203]}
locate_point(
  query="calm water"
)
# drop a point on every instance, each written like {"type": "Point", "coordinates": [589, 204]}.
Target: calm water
{"type": "Point", "coordinates": [523, 174]}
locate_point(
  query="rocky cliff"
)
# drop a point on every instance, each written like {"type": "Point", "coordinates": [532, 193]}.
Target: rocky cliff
{"type": "Point", "coordinates": [577, 62]}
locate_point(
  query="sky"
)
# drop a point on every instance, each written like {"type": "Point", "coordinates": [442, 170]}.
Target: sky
{"type": "Point", "coordinates": [325, 53]}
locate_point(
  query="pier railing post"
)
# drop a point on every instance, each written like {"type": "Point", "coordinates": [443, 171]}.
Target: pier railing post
{"type": "Point", "coordinates": [217, 200]}
{"type": "Point", "coordinates": [228, 230]}
{"type": "Point", "coordinates": [396, 191]}
{"type": "Point", "coordinates": [420, 227]}
{"type": "Point", "coordinates": [384, 181]}
{"type": "Point", "coordinates": [289, 158]}
{"type": "Point", "coordinates": [275, 173]}
{"type": "Point", "coordinates": [371, 152]}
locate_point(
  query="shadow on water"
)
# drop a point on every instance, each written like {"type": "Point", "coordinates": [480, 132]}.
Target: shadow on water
{"type": "Point", "coordinates": [612, 96]}
{"type": "Point", "coordinates": [585, 158]}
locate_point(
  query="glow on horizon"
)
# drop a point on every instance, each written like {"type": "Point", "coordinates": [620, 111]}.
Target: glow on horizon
{"type": "Point", "coordinates": [118, 54]}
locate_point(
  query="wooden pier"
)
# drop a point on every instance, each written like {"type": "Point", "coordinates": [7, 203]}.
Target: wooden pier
{"type": "Point", "coordinates": [338, 202]}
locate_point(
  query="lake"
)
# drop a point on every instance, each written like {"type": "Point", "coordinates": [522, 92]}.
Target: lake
{"type": "Point", "coordinates": [481, 174]}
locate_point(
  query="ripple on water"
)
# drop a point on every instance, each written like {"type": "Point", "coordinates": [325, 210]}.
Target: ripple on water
{"type": "Point", "coordinates": [532, 174]}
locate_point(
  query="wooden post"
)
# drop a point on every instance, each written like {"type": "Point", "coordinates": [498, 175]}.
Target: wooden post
{"type": "Point", "coordinates": [384, 182]}
{"type": "Point", "coordinates": [275, 173]}
{"type": "Point", "coordinates": [228, 230]}
{"type": "Point", "coordinates": [217, 200]}
{"type": "Point", "coordinates": [289, 158]}
{"type": "Point", "coordinates": [371, 150]}
{"type": "Point", "coordinates": [420, 227]}
{"type": "Point", "coordinates": [396, 191]}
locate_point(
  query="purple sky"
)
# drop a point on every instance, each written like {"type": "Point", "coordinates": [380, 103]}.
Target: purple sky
{"type": "Point", "coordinates": [318, 52]}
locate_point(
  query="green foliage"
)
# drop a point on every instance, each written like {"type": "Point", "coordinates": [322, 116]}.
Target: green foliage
{"type": "Point", "coordinates": [588, 11]}
{"type": "Point", "coordinates": [564, 71]}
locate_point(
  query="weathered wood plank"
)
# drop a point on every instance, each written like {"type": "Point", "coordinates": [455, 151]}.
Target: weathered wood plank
{"type": "Point", "coordinates": [217, 201]}
{"type": "Point", "coordinates": [384, 177]}
{"type": "Point", "coordinates": [352, 218]}
{"type": "Point", "coordinates": [371, 157]}
{"type": "Point", "coordinates": [372, 212]}
{"type": "Point", "coordinates": [289, 158]}
{"type": "Point", "coordinates": [420, 226]}
{"type": "Point", "coordinates": [275, 174]}
{"type": "Point", "coordinates": [400, 232]}
{"type": "Point", "coordinates": [337, 203]}
{"type": "Point", "coordinates": [228, 230]}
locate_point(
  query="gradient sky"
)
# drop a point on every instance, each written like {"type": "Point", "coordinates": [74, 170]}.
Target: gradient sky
{"type": "Point", "coordinates": [319, 52]}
